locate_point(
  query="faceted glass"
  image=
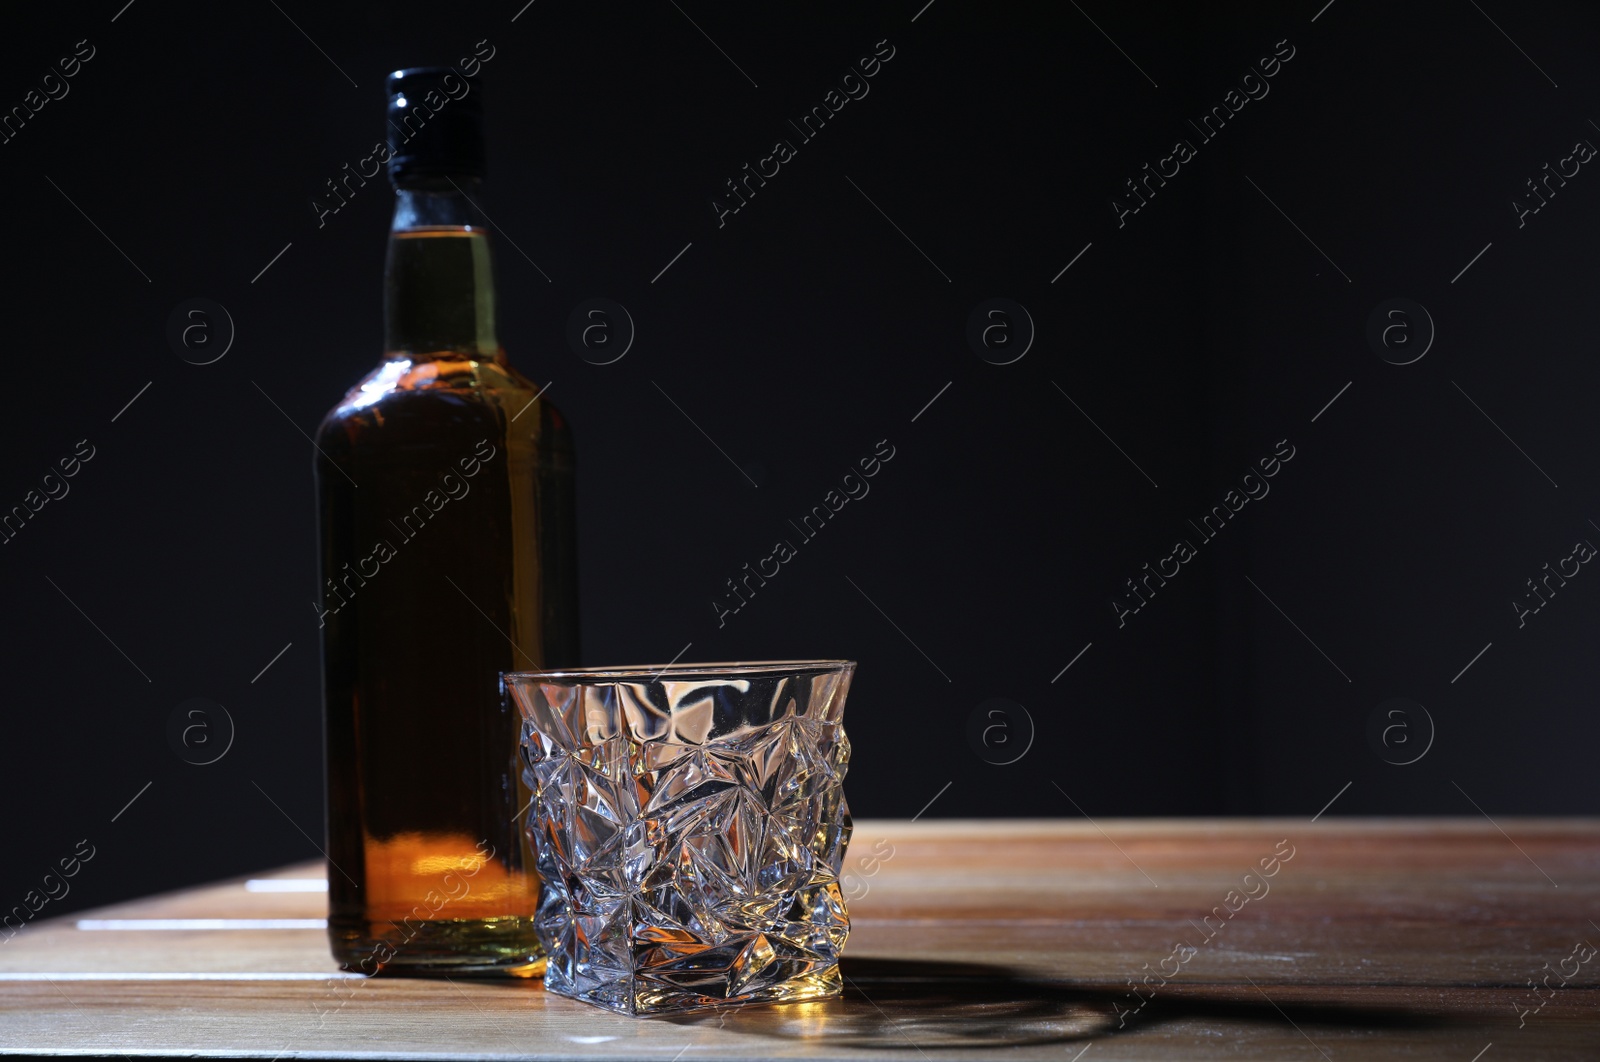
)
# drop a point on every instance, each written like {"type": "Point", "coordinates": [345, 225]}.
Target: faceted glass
{"type": "Point", "coordinates": [690, 825]}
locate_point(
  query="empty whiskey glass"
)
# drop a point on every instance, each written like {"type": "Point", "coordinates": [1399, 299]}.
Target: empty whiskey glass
{"type": "Point", "coordinates": [690, 825]}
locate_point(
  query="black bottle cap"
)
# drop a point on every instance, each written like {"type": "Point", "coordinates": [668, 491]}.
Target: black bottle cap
{"type": "Point", "coordinates": [435, 126]}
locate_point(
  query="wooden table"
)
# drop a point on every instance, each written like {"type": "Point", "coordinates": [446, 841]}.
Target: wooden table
{"type": "Point", "coordinates": [1412, 939]}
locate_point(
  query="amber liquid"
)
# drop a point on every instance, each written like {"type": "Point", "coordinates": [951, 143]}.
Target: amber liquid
{"type": "Point", "coordinates": [447, 527]}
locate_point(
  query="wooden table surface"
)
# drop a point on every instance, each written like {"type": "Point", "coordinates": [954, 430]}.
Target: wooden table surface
{"type": "Point", "coordinates": [1415, 939]}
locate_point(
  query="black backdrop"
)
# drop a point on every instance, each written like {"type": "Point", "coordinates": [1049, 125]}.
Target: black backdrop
{"type": "Point", "coordinates": [1354, 618]}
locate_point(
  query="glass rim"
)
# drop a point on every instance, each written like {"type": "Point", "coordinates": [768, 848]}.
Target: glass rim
{"type": "Point", "coordinates": [652, 672]}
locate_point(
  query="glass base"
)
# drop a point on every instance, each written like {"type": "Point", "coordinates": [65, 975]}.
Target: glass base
{"type": "Point", "coordinates": [642, 994]}
{"type": "Point", "coordinates": [460, 947]}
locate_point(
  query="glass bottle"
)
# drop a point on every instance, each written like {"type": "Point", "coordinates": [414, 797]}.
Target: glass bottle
{"type": "Point", "coordinates": [446, 506]}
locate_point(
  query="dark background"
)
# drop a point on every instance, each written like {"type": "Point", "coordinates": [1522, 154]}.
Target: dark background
{"type": "Point", "coordinates": [807, 329]}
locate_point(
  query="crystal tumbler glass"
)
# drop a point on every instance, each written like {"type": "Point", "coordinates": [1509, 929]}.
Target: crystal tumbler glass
{"type": "Point", "coordinates": [690, 825]}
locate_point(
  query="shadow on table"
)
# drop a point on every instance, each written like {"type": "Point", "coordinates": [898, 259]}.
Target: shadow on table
{"type": "Point", "coordinates": [914, 1004]}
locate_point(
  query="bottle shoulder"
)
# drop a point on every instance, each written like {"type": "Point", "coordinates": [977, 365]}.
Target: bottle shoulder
{"type": "Point", "coordinates": [466, 392]}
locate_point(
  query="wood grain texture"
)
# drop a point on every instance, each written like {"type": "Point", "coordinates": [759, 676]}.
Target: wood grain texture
{"type": "Point", "coordinates": [1412, 939]}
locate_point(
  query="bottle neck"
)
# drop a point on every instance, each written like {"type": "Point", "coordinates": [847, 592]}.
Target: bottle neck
{"type": "Point", "coordinates": [439, 282]}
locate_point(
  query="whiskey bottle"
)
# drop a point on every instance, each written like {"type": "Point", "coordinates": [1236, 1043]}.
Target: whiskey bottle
{"type": "Point", "coordinates": [445, 491]}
